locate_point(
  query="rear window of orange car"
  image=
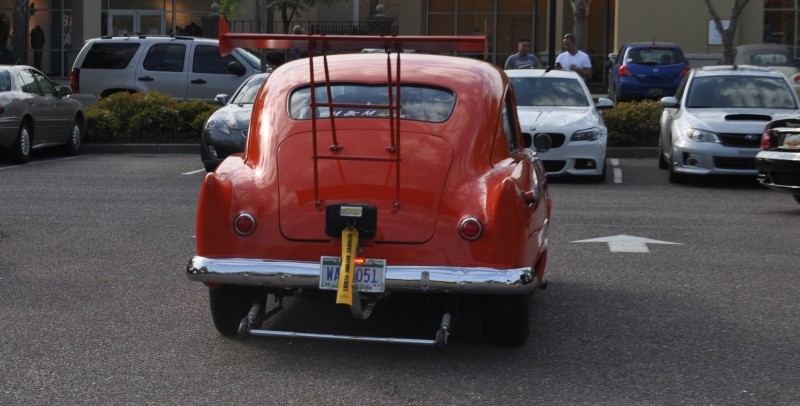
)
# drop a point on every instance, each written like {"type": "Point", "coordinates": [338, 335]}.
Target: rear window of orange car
{"type": "Point", "coordinates": [419, 102]}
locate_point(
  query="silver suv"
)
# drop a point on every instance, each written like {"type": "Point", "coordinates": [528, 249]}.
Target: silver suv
{"type": "Point", "coordinates": [183, 67]}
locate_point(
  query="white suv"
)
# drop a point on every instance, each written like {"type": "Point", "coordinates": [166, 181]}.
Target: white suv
{"type": "Point", "coordinates": [183, 67]}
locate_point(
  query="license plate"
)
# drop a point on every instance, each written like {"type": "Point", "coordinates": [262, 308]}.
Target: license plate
{"type": "Point", "coordinates": [655, 92]}
{"type": "Point", "coordinates": [791, 141]}
{"type": "Point", "coordinates": [369, 276]}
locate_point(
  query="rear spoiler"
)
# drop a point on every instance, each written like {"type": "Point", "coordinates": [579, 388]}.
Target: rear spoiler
{"type": "Point", "coordinates": [322, 42]}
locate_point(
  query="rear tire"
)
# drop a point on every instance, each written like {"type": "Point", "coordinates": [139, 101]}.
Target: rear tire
{"type": "Point", "coordinates": [73, 144]}
{"type": "Point", "coordinates": [21, 151]}
{"type": "Point", "coordinates": [506, 319]}
{"type": "Point", "coordinates": [230, 304]}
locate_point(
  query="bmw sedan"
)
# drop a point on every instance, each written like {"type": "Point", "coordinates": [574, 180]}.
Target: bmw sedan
{"type": "Point", "coordinates": [225, 132]}
{"type": "Point", "coordinates": [559, 104]}
{"type": "Point", "coordinates": [36, 113]}
{"type": "Point", "coordinates": [714, 122]}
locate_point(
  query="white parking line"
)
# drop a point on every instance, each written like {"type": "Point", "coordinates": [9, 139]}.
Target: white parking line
{"type": "Point", "coordinates": [617, 170]}
{"type": "Point", "coordinates": [193, 172]}
{"type": "Point", "coordinates": [40, 162]}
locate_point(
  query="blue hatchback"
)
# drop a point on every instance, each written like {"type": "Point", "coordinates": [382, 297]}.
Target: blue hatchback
{"type": "Point", "coordinates": [646, 70]}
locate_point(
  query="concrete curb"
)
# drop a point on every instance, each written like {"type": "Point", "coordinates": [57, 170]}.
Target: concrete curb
{"type": "Point", "coordinates": [612, 152]}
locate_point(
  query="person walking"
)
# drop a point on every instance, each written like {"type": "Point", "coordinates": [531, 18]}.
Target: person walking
{"type": "Point", "coordinates": [574, 59]}
{"type": "Point", "coordinates": [523, 59]}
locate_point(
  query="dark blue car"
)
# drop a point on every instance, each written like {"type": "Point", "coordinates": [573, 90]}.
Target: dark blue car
{"type": "Point", "coordinates": [646, 70]}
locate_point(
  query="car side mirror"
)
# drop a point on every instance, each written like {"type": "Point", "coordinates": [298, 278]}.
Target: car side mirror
{"type": "Point", "coordinates": [604, 103]}
{"type": "Point", "coordinates": [64, 91]}
{"type": "Point", "coordinates": [542, 142]}
{"type": "Point", "coordinates": [669, 101]}
{"type": "Point", "coordinates": [236, 68]}
{"type": "Point", "coordinates": [221, 98]}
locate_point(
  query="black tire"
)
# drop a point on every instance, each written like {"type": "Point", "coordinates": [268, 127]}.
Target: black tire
{"type": "Point", "coordinates": [73, 144]}
{"type": "Point", "coordinates": [506, 319]}
{"type": "Point", "coordinates": [797, 198]}
{"type": "Point", "coordinates": [230, 304]}
{"type": "Point", "coordinates": [21, 151]}
{"type": "Point", "coordinates": [662, 163]}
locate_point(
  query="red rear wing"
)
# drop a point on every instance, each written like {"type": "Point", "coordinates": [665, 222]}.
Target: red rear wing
{"type": "Point", "coordinates": [321, 42]}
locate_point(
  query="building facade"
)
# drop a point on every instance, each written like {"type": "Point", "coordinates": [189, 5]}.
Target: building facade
{"type": "Point", "coordinates": [66, 24]}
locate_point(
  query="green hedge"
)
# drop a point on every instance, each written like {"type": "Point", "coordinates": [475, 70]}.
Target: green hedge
{"type": "Point", "coordinates": [154, 117]}
{"type": "Point", "coordinates": [633, 123]}
{"type": "Point", "coordinates": [146, 117]}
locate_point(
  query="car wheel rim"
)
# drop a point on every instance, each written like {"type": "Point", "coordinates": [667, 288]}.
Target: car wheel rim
{"type": "Point", "coordinates": [24, 141]}
{"type": "Point", "coordinates": [76, 136]}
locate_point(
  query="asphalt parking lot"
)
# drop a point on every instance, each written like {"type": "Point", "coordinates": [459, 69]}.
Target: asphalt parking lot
{"type": "Point", "coordinates": [95, 307]}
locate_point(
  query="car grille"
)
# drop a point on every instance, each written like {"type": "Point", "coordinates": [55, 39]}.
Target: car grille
{"type": "Point", "coordinates": [785, 179]}
{"type": "Point", "coordinates": [739, 140]}
{"type": "Point", "coordinates": [553, 166]}
{"type": "Point", "coordinates": [724, 162]}
{"type": "Point", "coordinates": [557, 138]}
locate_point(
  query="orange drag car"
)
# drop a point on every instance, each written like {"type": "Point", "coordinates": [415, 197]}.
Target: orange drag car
{"type": "Point", "coordinates": [366, 175]}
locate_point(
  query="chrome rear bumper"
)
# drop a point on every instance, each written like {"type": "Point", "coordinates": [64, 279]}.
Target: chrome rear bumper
{"type": "Point", "coordinates": [299, 275]}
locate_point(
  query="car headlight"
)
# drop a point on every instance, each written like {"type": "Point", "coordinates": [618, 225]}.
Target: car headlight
{"type": "Point", "coordinates": [214, 123]}
{"type": "Point", "coordinates": [591, 134]}
{"type": "Point", "coordinates": [701, 135]}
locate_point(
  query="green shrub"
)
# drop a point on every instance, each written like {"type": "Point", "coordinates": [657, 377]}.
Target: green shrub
{"type": "Point", "coordinates": [194, 114]}
{"type": "Point", "coordinates": [146, 117]}
{"type": "Point", "coordinates": [633, 123]}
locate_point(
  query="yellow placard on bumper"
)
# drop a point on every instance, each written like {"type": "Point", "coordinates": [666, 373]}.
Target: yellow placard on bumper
{"type": "Point", "coordinates": [344, 293]}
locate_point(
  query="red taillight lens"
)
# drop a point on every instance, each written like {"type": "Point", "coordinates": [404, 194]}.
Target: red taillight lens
{"type": "Point", "coordinates": [624, 71]}
{"type": "Point", "coordinates": [244, 224]}
{"type": "Point", "coordinates": [796, 78]}
{"type": "Point", "coordinates": [470, 228]}
{"type": "Point", "coordinates": [74, 81]}
{"type": "Point", "coordinates": [765, 138]}
{"type": "Point", "coordinates": [685, 70]}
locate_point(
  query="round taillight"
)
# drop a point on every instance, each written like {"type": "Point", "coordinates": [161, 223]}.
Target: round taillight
{"type": "Point", "coordinates": [244, 224]}
{"type": "Point", "coordinates": [470, 228]}
{"type": "Point", "coordinates": [796, 78]}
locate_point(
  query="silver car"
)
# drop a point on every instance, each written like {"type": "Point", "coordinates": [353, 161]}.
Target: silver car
{"type": "Point", "coordinates": [35, 113]}
{"type": "Point", "coordinates": [713, 125]}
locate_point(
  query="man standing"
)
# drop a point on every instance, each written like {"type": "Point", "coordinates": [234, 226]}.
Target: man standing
{"type": "Point", "coordinates": [574, 59]}
{"type": "Point", "coordinates": [523, 59]}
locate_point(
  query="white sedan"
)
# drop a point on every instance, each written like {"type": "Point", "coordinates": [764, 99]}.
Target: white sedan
{"type": "Point", "coordinates": [713, 125]}
{"type": "Point", "coordinates": [558, 103]}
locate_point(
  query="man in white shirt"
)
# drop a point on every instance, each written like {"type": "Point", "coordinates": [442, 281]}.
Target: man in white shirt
{"type": "Point", "coordinates": [574, 59]}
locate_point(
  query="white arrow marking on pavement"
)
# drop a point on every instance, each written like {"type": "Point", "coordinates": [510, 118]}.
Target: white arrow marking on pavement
{"type": "Point", "coordinates": [628, 243]}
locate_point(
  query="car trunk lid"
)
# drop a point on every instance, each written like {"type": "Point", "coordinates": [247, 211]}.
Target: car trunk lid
{"type": "Point", "coordinates": [363, 171]}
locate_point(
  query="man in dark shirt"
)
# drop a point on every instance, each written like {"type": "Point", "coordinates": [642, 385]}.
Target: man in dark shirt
{"type": "Point", "coordinates": [523, 59]}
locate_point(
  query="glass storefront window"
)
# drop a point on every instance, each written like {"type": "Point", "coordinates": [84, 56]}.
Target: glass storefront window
{"type": "Point", "coordinates": [785, 4]}
{"type": "Point", "coordinates": [130, 5]}
{"type": "Point", "coordinates": [441, 24]}
{"type": "Point", "coordinates": [446, 6]}
{"type": "Point", "coordinates": [523, 6]}
{"type": "Point", "coordinates": [476, 6]}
